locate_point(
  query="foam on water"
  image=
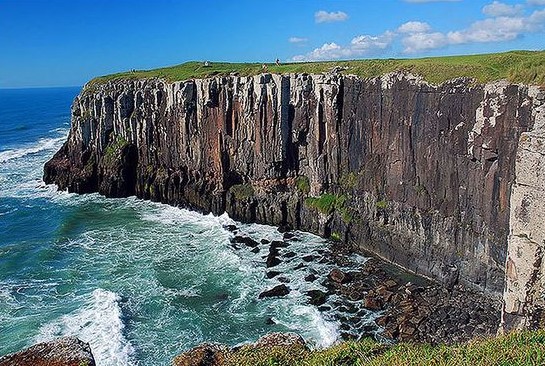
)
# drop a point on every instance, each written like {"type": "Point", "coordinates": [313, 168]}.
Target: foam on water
{"type": "Point", "coordinates": [41, 145]}
{"type": "Point", "coordinates": [98, 322]}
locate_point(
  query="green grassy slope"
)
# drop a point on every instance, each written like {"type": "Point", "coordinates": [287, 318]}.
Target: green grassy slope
{"type": "Point", "coordinates": [516, 66]}
{"type": "Point", "coordinates": [517, 349]}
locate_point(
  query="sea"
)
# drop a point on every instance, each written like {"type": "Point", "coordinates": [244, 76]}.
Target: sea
{"type": "Point", "coordinates": [140, 281]}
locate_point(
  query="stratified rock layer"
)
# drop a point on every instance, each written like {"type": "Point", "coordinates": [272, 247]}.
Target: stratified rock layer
{"type": "Point", "coordinates": [68, 351]}
{"type": "Point", "coordinates": [417, 173]}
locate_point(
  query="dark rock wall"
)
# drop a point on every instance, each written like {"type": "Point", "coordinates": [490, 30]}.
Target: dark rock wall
{"type": "Point", "coordinates": [419, 174]}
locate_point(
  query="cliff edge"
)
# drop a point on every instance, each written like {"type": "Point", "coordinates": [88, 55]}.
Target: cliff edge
{"type": "Point", "coordinates": [431, 177]}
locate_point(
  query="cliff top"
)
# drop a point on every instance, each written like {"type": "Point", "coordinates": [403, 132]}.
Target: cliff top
{"type": "Point", "coordinates": [526, 67]}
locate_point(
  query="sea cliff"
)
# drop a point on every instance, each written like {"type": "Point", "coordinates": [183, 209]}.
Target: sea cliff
{"type": "Point", "coordinates": [444, 180]}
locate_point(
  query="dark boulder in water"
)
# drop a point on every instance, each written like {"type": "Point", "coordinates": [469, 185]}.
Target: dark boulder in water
{"type": "Point", "coordinates": [276, 291]}
{"type": "Point", "coordinates": [317, 297]}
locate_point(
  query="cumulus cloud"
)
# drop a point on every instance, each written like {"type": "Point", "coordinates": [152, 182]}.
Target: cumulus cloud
{"type": "Point", "coordinates": [498, 27]}
{"type": "Point", "coordinates": [414, 27]}
{"type": "Point", "coordinates": [499, 9]}
{"type": "Point", "coordinates": [536, 2]}
{"type": "Point", "coordinates": [424, 41]}
{"type": "Point", "coordinates": [323, 16]}
{"type": "Point", "coordinates": [297, 40]}
{"type": "Point", "coordinates": [359, 46]}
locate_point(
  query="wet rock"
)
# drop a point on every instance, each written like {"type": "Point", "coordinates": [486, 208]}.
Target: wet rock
{"type": "Point", "coordinates": [276, 291]}
{"type": "Point", "coordinates": [278, 244]}
{"type": "Point", "coordinates": [272, 261]}
{"type": "Point", "coordinates": [245, 240]}
{"type": "Point", "coordinates": [310, 278]}
{"type": "Point", "coordinates": [68, 351]}
{"type": "Point", "coordinates": [288, 236]}
{"type": "Point", "coordinates": [338, 276]}
{"type": "Point", "coordinates": [265, 241]}
{"type": "Point", "coordinates": [317, 297]}
{"type": "Point", "coordinates": [272, 274]}
{"type": "Point", "coordinates": [230, 227]}
{"type": "Point", "coordinates": [373, 303]}
{"type": "Point", "coordinates": [289, 254]}
{"type": "Point", "coordinates": [308, 258]}
{"type": "Point", "coordinates": [255, 250]}
{"type": "Point", "coordinates": [270, 321]}
{"type": "Point", "coordinates": [283, 279]}
{"type": "Point", "coordinates": [284, 228]}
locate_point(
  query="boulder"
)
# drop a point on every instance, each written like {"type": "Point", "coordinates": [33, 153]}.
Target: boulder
{"type": "Point", "coordinates": [338, 276]}
{"type": "Point", "coordinates": [202, 355]}
{"type": "Point", "coordinates": [276, 291]}
{"type": "Point", "coordinates": [68, 351]}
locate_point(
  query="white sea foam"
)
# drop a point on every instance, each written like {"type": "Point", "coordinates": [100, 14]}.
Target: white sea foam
{"type": "Point", "coordinates": [99, 322]}
{"type": "Point", "coordinates": [307, 320]}
{"type": "Point", "coordinates": [40, 145]}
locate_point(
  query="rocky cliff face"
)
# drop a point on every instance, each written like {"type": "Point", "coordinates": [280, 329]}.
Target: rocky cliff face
{"type": "Point", "coordinates": [417, 173]}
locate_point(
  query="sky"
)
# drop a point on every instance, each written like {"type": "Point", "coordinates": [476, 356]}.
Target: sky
{"type": "Point", "coordinates": [68, 42]}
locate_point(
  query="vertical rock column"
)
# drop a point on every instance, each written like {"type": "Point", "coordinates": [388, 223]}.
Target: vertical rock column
{"type": "Point", "coordinates": [524, 294]}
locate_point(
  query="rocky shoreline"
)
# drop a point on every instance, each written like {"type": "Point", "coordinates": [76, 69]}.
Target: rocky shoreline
{"type": "Point", "coordinates": [366, 296]}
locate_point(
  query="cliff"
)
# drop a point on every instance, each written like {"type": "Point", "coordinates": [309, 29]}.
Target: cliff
{"type": "Point", "coordinates": [426, 176]}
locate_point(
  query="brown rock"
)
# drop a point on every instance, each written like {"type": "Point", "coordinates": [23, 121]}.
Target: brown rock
{"type": "Point", "coordinates": [202, 355]}
{"type": "Point", "coordinates": [338, 276]}
{"type": "Point", "coordinates": [68, 351]}
{"type": "Point", "coordinates": [372, 303]}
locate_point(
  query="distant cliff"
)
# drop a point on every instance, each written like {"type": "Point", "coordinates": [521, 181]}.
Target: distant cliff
{"type": "Point", "coordinates": [436, 178]}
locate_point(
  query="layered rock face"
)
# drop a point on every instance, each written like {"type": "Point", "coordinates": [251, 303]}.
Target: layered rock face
{"type": "Point", "coordinates": [524, 296]}
{"type": "Point", "coordinates": [419, 174]}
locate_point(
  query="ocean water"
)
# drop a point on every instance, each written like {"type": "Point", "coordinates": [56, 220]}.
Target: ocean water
{"type": "Point", "coordinates": [139, 281]}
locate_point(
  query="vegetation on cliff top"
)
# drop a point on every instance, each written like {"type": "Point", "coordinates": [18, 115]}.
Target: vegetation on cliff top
{"type": "Point", "coordinates": [517, 349]}
{"type": "Point", "coordinates": [516, 66]}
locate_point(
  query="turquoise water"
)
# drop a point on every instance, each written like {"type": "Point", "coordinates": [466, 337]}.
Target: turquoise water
{"type": "Point", "coordinates": [140, 281]}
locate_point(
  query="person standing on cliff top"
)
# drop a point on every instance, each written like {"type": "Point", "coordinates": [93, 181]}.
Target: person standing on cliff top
{"type": "Point", "coordinates": [277, 62]}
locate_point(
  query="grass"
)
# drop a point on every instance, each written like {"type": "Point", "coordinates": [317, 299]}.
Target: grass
{"type": "Point", "coordinates": [327, 203]}
{"type": "Point", "coordinates": [382, 204]}
{"type": "Point", "coordinates": [242, 191]}
{"type": "Point", "coordinates": [516, 349]}
{"type": "Point", "coordinates": [303, 184]}
{"type": "Point", "coordinates": [113, 150]}
{"type": "Point", "coordinates": [516, 66]}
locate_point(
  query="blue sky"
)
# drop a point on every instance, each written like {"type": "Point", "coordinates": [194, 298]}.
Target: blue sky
{"type": "Point", "coordinates": [67, 42]}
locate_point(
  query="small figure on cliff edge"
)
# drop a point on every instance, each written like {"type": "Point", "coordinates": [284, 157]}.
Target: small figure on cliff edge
{"type": "Point", "coordinates": [277, 62]}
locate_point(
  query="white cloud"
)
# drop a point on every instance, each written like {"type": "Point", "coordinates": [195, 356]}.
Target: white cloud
{"type": "Point", "coordinates": [497, 29]}
{"type": "Point", "coordinates": [297, 40]}
{"type": "Point", "coordinates": [414, 27]}
{"type": "Point", "coordinates": [359, 46]}
{"type": "Point", "coordinates": [536, 2]}
{"type": "Point", "coordinates": [368, 43]}
{"type": "Point", "coordinates": [499, 9]}
{"type": "Point", "coordinates": [323, 16]}
{"type": "Point", "coordinates": [424, 41]}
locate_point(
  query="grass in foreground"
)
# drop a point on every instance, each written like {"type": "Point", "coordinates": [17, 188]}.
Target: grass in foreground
{"type": "Point", "coordinates": [516, 66]}
{"type": "Point", "coordinates": [517, 349]}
